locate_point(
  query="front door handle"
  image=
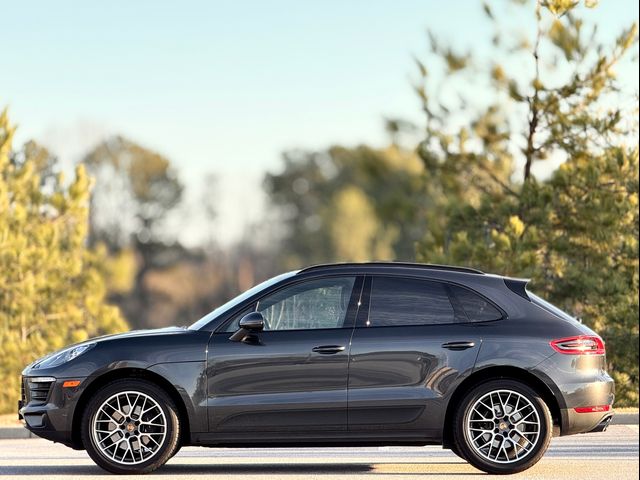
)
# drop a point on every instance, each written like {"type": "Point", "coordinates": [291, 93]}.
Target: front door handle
{"type": "Point", "coordinates": [458, 345]}
{"type": "Point", "coordinates": [328, 349]}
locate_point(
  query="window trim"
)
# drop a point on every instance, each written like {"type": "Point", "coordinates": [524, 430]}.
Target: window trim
{"type": "Point", "coordinates": [364, 312]}
{"type": "Point", "coordinates": [353, 306]}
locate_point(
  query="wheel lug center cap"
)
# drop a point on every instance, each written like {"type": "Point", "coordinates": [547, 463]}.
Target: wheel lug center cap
{"type": "Point", "coordinates": [131, 427]}
{"type": "Point", "coordinates": [503, 426]}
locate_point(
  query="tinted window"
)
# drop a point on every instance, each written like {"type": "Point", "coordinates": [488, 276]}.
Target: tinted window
{"type": "Point", "coordinates": [405, 301]}
{"type": "Point", "coordinates": [477, 308]}
{"type": "Point", "coordinates": [309, 305]}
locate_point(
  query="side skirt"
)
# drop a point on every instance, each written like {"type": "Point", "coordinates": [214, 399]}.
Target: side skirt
{"type": "Point", "coordinates": [322, 439]}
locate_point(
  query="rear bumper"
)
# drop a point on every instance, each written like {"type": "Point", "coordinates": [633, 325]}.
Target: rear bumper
{"type": "Point", "coordinates": [573, 422]}
{"type": "Point", "coordinates": [597, 392]}
{"type": "Point", "coordinates": [578, 382]}
{"type": "Point", "coordinates": [603, 425]}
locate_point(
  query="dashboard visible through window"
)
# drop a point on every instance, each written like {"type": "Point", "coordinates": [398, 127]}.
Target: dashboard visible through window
{"type": "Point", "coordinates": [309, 305]}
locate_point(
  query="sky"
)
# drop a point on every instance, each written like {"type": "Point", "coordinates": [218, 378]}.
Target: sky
{"type": "Point", "coordinates": [225, 87]}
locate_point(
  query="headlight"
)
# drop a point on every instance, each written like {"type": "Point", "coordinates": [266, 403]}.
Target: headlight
{"type": "Point", "coordinates": [64, 356]}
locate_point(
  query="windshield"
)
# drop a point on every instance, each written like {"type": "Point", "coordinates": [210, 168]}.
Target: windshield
{"type": "Point", "coordinates": [550, 308]}
{"type": "Point", "coordinates": [239, 299]}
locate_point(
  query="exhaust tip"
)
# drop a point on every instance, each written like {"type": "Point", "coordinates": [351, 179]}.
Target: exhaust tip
{"type": "Point", "coordinates": [603, 425]}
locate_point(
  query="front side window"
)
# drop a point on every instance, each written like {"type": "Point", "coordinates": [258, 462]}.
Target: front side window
{"type": "Point", "coordinates": [238, 300]}
{"type": "Point", "coordinates": [406, 301]}
{"type": "Point", "coordinates": [309, 305]}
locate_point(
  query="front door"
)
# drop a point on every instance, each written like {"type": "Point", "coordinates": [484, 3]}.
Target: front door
{"type": "Point", "coordinates": [293, 375]}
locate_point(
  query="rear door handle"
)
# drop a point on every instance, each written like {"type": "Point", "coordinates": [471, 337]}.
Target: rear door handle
{"type": "Point", "coordinates": [458, 345]}
{"type": "Point", "coordinates": [328, 349]}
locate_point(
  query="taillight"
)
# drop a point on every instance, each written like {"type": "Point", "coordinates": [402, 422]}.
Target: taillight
{"type": "Point", "coordinates": [580, 345]}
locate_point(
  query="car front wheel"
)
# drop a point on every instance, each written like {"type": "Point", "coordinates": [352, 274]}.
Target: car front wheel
{"type": "Point", "coordinates": [502, 426]}
{"type": "Point", "coordinates": [130, 426]}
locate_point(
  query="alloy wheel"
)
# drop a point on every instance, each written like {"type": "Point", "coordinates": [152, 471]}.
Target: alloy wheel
{"type": "Point", "coordinates": [129, 427]}
{"type": "Point", "coordinates": [503, 426]}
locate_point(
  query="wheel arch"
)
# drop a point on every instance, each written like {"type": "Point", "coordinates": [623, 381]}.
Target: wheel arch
{"type": "Point", "coordinates": [129, 373]}
{"type": "Point", "coordinates": [494, 373]}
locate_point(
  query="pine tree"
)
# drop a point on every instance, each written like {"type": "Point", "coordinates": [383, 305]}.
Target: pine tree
{"type": "Point", "coordinates": [52, 288]}
{"type": "Point", "coordinates": [575, 233]}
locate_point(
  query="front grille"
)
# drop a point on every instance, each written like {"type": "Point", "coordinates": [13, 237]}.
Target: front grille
{"type": "Point", "coordinates": [38, 389]}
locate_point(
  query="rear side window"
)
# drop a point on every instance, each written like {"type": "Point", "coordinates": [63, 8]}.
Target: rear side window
{"type": "Point", "coordinates": [475, 307]}
{"type": "Point", "coordinates": [405, 301]}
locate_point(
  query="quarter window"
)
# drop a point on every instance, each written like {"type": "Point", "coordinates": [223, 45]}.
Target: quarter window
{"type": "Point", "coordinates": [406, 301]}
{"type": "Point", "coordinates": [310, 305]}
{"type": "Point", "coordinates": [476, 308]}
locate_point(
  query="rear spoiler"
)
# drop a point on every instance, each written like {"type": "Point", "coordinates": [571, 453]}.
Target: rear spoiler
{"type": "Point", "coordinates": [518, 286]}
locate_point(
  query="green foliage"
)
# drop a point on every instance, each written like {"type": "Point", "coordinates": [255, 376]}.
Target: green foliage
{"type": "Point", "coordinates": [51, 288]}
{"type": "Point", "coordinates": [135, 189]}
{"type": "Point", "coordinates": [349, 204]}
{"type": "Point", "coordinates": [592, 263]}
{"type": "Point", "coordinates": [575, 233]}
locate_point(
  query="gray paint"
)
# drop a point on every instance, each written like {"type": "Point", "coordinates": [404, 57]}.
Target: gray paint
{"type": "Point", "coordinates": [390, 385]}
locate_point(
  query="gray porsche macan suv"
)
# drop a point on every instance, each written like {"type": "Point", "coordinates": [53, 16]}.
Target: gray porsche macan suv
{"type": "Point", "coordinates": [335, 355]}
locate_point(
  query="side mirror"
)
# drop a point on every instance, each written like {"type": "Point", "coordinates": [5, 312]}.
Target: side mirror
{"type": "Point", "coordinates": [251, 323]}
{"type": "Point", "coordinates": [254, 322]}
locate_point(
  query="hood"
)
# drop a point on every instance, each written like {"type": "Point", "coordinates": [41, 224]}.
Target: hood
{"type": "Point", "coordinates": [106, 338]}
{"type": "Point", "coordinates": [139, 333]}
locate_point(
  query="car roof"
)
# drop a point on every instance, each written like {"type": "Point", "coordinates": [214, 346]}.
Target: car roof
{"type": "Point", "coordinates": [359, 266]}
{"type": "Point", "coordinates": [472, 277]}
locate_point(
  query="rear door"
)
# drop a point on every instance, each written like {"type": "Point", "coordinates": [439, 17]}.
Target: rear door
{"type": "Point", "coordinates": [412, 344]}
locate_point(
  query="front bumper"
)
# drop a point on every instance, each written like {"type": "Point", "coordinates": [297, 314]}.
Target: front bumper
{"type": "Point", "coordinates": [50, 416]}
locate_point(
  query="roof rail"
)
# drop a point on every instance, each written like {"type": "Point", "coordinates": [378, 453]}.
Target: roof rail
{"type": "Point", "coordinates": [425, 266]}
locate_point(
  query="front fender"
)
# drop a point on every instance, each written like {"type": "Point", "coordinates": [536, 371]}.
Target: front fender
{"type": "Point", "coordinates": [189, 380]}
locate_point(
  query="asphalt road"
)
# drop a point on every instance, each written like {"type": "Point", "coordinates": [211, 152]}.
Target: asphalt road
{"type": "Point", "coordinates": [612, 454]}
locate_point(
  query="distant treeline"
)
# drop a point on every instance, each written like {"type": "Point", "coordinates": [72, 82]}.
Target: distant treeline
{"type": "Point", "coordinates": [98, 254]}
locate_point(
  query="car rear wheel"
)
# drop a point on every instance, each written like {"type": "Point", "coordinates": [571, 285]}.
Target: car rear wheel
{"type": "Point", "coordinates": [502, 427]}
{"type": "Point", "coordinates": [130, 426]}
{"type": "Point", "coordinates": [175, 450]}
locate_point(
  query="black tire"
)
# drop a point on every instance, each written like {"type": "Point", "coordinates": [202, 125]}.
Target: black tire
{"type": "Point", "coordinates": [167, 446]}
{"type": "Point", "coordinates": [175, 450]}
{"type": "Point", "coordinates": [464, 444]}
{"type": "Point", "coordinates": [457, 451]}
